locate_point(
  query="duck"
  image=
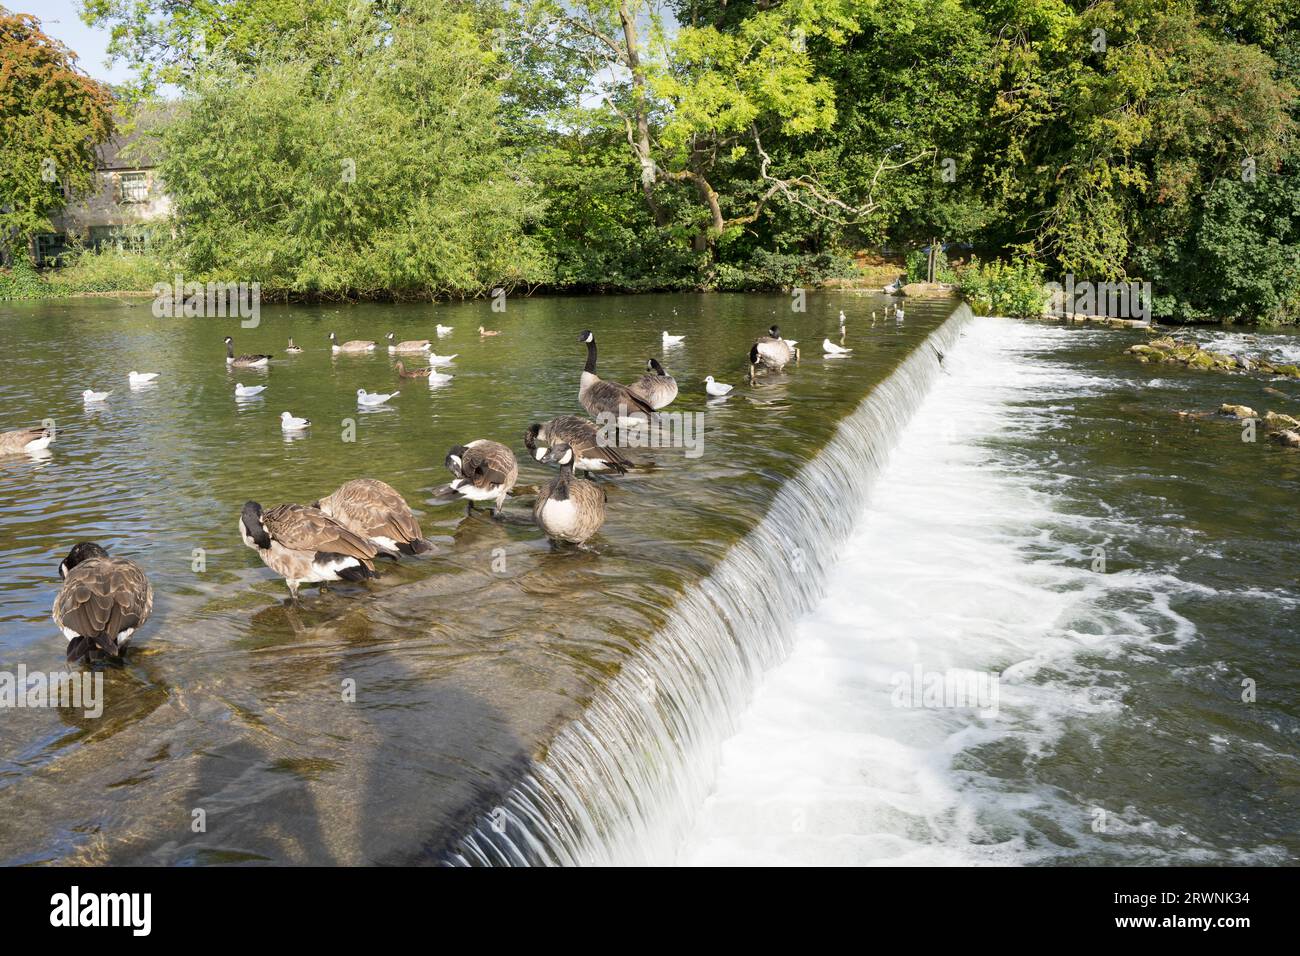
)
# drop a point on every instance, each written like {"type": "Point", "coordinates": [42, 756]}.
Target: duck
{"type": "Point", "coordinates": [657, 387]}
{"type": "Point", "coordinates": [771, 351]}
{"type": "Point", "coordinates": [600, 397]}
{"type": "Point", "coordinates": [830, 348]}
{"type": "Point", "coordinates": [137, 379]}
{"type": "Point", "coordinates": [410, 345]}
{"type": "Point", "coordinates": [89, 396]}
{"type": "Point", "coordinates": [673, 339]}
{"type": "Point", "coordinates": [590, 453]}
{"type": "Point", "coordinates": [568, 508]}
{"type": "Point", "coordinates": [444, 330]}
{"type": "Point", "coordinates": [374, 398]}
{"type": "Point", "coordinates": [248, 391]}
{"type": "Point", "coordinates": [404, 372]}
{"type": "Point", "coordinates": [103, 601]}
{"type": "Point", "coordinates": [486, 332]}
{"type": "Point", "coordinates": [483, 470]}
{"type": "Point", "coordinates": [25, 440]}
{"type": "Point", "coordinates": [353, 345]}
{"type": "Point", "coordinates": [435, 359]}
{"type": "Point", "coordinates": [377, 512]}
{"type": "Point", "coordinates": [304, 545]}
{"type": "Point", "coordinates": [293, 349]}
{"type": "Point", "coordinates": [251, 360]}
{"type": "Point", "coordinates": [716, 389]}
{"type": "Point", "coordinates": [291, 423]}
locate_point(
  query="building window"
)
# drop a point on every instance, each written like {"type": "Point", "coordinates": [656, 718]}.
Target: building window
{"type": "Point", "coordinates": [118, 237]}
{"type": "Point", "coordinates": [134, 188]}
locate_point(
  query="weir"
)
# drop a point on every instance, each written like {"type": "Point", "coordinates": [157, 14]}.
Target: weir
{"type": "Point", "coordinates": [619, 784]}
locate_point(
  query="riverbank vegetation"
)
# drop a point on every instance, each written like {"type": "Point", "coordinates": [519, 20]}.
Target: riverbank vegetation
{"type": "Point", "coordinates": [418, 148]}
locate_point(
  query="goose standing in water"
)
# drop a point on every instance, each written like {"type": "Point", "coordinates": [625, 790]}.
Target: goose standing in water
{"type": "Point", "coordinates": [599, 397]}
{"type": "Point", "coordinates": [896, 286]}
{"type": "Point", "coordinates": [772, 352]}
{"type": "Point", "coordinates": [102, 602]}
{"type": "Point", "coordinates": [568, 508]}
{"type": "Point", "coordinates": [249, 360]}
{"type": "Point", "coordinates": [657, 387]}
{"type": "Point", "coordinates": [353, 345]}
{"type": "Point", "coordinates": [376, 511]}
{"type": "Point", "coordinates": [410, 345]}
{"type": "Point", "coordinates": [25, 441]}
{"type": "Point", "coordinates": [293, 349]}
{"type": "Point", "coordinates": [483, 470]}
{"type": "Point", "coordinates": [581, 435]}
{"type": "Point", "coordinates": [305, 546]}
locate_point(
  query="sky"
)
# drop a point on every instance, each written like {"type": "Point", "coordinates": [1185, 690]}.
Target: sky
{"type": "Point", "coordinates": [62, 19]}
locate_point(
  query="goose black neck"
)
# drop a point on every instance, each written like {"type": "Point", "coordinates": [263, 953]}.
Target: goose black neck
{"type": "Point", "coordinates": [591, 357]}
{"type": "Point", "coordinates": [230, 349]}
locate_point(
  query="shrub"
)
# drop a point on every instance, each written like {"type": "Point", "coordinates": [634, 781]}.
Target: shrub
{"type": "Point", "coordinates": [1001, 288]}
{"type": "Point", "coordinates": [23, 282]}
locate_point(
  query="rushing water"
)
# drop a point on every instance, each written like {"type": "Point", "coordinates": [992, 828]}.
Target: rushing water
{"type": "Point", "coordinates": [472, 667]}
{"type": "Point", "coordinates": [1121, 735]}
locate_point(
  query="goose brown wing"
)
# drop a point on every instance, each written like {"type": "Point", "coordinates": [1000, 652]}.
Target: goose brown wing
{"type": "Point", "coordinates": [606, 396]}
{"type": "Point", "coordinates": [17, 440]}
{"type": "Point", "coordinates": [490, 463]}
{"type": "Point", "coordinates": [583, 437]}
{"type": "Point", "coordinates": [299, 528]}
{"type": "Point", "coordinates": [103, 597]}
{"type": "Point", "coordinates": [372, 509]}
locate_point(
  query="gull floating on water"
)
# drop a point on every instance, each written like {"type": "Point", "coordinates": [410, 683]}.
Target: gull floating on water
{"type": "Point", "coordinates": [444, 330]}
{"type": "Point", "coordinates": [90, 396]}
{"type": "Point", "coordinates": [439, 378]}
{"type": "Point", "coordinates": [291, 423]}
{"type": "Point", "coordinates": [140, 378]}
{"type": "Point", "coordinates": [830, 348]}
{"type": "Point", "coordinates": [716, 388]}
{"type": "Point", "coordinates": [673, 339]}
{"type": "Point", "coordinates": [373, 398]}
{"type": "Point", "coordinates": [436, 359]}
{"type": "Point", "coordinates": [248, 391]}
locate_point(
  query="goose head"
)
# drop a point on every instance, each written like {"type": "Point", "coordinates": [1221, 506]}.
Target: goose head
{"type": "Point", "coordinates": [390, 336]}
{"type": "Point", "coordinates": [560, 454]}
{"type": "Point", "coordinates": [586, 336]}
{"type": "Point", "coordinates": [251, 529]}
{"type": "Point", "coordinates": [334, 339]}
{"type": "Point", "coordinates": [82, 551]}
{"type": "Point", "coordinates": [774, 331]}
{"type": "Point", "coordinates": [228, 340]}
{"type": "Point", "coordinates": [453, 459]}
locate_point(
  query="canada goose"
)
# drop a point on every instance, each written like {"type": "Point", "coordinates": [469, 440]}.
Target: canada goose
{"type": "Point", "coordinates": [568, 508]}
{"type": "Point", "coordinates": [771, 351]}
{"type": "Point", "coordinates": [657, 387]}
{"type": "Point", "coordinates": [102, 602]}
{"type": "Point", "coordinates": [830, 348]}
{"type": "Point", "coordinates": [354, 345]}
{"type": "Point", "coordinates": [243, 361]}
{"type": "Point", "coordinates": [483, 470]}
{"type": "Point", "coordinates": [444, 330]}
{"type": "Point", "coordinates": [136, 379]}
{"type": "Point", "coordinates": [896, 286]}
{"type": "Point", "coordinates": [374, 398]}
{"type": "Point", "coordinates": [410, 345]}
{"type": "Point", "coordinates": [90, 397]}
{"type": "Point", "coordinates": [583, 437]}
{"type": "Point", "coordinates": [293, 349]}
{"type": "Point", "coordinates": [404, 372]}
{"type": "Point", "coordinates": [485, 332]}
{"type": "Point", "coordinates": [305, 546]}
{"type": "Point", "coordinates": [25, 440]}
{"type": "Point", "coordinates": [248, 391]}
{"type": "Point", "coordinates": [599, 397]}
{"type": "Point", "coordinates": [435, 359]}
{"type": "Point", "coordinates": [291, 423]}
{"type": "Point", "coordinates": [716, 389]}
{"type": "Point", "coordinates": [376, 511]}
{"type": "Point", "coordinates": [673, 339]}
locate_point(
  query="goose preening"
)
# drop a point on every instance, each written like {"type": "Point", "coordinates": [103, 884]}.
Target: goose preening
{"type": "Point", "coordinates": [137, 379]}
{"type": "Point", "coordinates": [102, 602]}
{"type": "Point", "coordinates": [487, 332]}
{"type": "Point", "coordinates": [435, 359]}
{"type": "Point", "coordinates": [716, 389]}
{"type": "Point", "coordinates": [248, 391]}
{"type": "Point", "coordinates": [599, 397]}
{"type": "Point", "coordinates": [583, 437]}
{"type": "Point", "coordinates": [353, 345]}
{"type": "Point", "coordinates": [90, 396]}
{"type": "Point", "coordinates": [673, 339]}
{"type": "Point", "coordinates": [404, 372]}
{"type": "Point", "coordinates": [374, 398]}
{"type": "Point", "coordinates": [305, 546]}
{"type": "Point", "coordinates": [771, 351]}
{"type": "Point", "coordinates": [291, 423]}
{"type": "Point", "coordinates": [291, 348]}
{"type": "Point", "coordinates": [410, 345]}
{"type": "Point", "coordinates": [568, 508]}
{"type": "Point", "coordinates": [483, 470]}
{"type": "Point", "coordinates": [250, 360]}
{"type": "Point", "coordinates": [657, 387]}
{"type": "Point", "coordinates": [896, 286]}
{"type": "Point", "coordinates": [830, 348]}
{"type": "Point", "coordinates": [25, 440]}
{"type": "Point", "coordinates": [376, 511]}
{"type": "Point", "coordinates": [444, 330]}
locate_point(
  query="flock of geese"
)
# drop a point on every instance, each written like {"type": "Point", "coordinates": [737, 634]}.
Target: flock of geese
{"type": "Point", "coordinates": [104, 599]}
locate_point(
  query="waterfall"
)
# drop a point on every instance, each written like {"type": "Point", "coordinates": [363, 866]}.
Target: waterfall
{"type": "Point", "coordinates": [620, 784]}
